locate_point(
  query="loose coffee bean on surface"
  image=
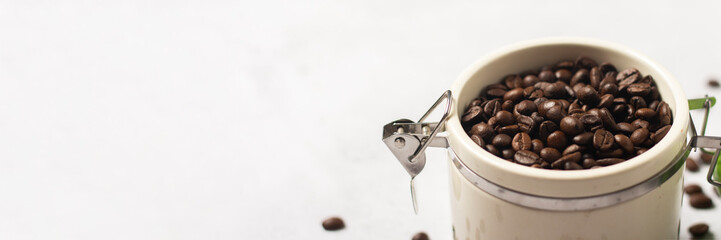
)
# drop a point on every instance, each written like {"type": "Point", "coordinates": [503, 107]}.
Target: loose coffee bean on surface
{"type": "Point", "coordinates": [691, 165]}
{"type": "Point", "coordinates": [575, 114]}
{"type": "Point", "coordinates": [420, 236]}
{"type": "Point", "coordinates": [706, 158]}
{"type": "Point", "coordinates": [700, 200]}
{"type": "Point", "coordinates": [333, 224]}
{"type": "Point", "coordinates": [713, 83]}
{"type": "Point", "coordinates": [698, 230]}
{"type": "Point", "coordinates": [692, 189]}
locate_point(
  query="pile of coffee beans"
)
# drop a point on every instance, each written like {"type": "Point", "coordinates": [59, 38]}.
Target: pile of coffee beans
{"type": "Point", "coordinates": [571, 115]}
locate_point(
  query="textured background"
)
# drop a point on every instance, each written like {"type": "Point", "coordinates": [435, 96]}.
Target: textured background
{"type": "Point", "coordinates": [257, 119]}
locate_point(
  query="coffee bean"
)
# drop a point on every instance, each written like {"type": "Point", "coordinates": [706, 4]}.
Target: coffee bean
{"type": "Point", "coordinates": [660, 133]}
{"type": "Point", "coordinates": [691, 165]}
{"type": "Point", "coordinates": [420, 236]}
{"type": "Point", "coordinates": [628, 77]}
{"type": "Point", "coordinates": [640, 123]}
{"type": "Point", "coordinates": [547, 76]}
{"type": "Point", "coordinates": [563, 75]}
{"type": "Point", "coordinates": [706, 158]}
{"type": "Point", "coordinates": [513, 81]}
{"type": "Point", "coordinates": [515, 95]}
{"type": "Point", "coordinates": [478, 140]}
{"type": "Point", "coordinates": [572, 166]}
{"type": "Point", "coordinates": [333, 224]}
{"type": "Point", "coordinates": [645, 113]}
{"type": "Point", "coordinates": [508, 154]}
{"type": "Point", "coordinates": [507, 106]}
{"type": "Point", "coordinates": [692, 189]}
{"type": "Point", "coordinates": [588, 163]}
{"type": "Point", "coordinates": [573, 157]}
{"type": "Point", "coordinates": [581, 76]}
{"type": "Point", "coordinates": [607, 67]}
{"type": "Point", "coordinates": [638, 102]}
{"type": "Point", "coordinates": [606, 101]}
{"type": "Point", "coordinates": [602, 140]}
{"type": "Point", "coordinates": [509, 130]}
{"type": "Point", "coordinates": [595, 77]}
{"type": "Point", "coordinates": [492, 107]}
{"type": "Point", "coordinates": [613, 153]}
{"type": "Point", "coordinates": [609, 161]}
{"type": "Point", "coordinates": [495, 92]}
{"type": "Point", "coordinates": [556, 140]}
{"type": "Point", "coordinates": [522, 141]}
{"type": "Point", "coordinates": [526, 157]}
{"type": "Point", "coordinates": [607, 119]}
{"type": "Point", "coordinates": [546, 128]}
{"type": "Point", "coordinates": [501, 141]}
{"type": "Point", "coordinates": [609, 89]}
{"type": "Point", "coordinates": [639, 89]}
{"type": "Point", "coordinates": [505, 118]}
{"type": "Point", "coordinates": [587, 95]}
{"type": "Point", "coordinates": [555, 114]}
{"type": "Point", "coordinates": [572, 149]}
{"type": "Point", "coordinates": [493, 150]}
{"type": "Point", "coordinates": [472, 115]}
{"type": "Point", "coordinates": [483, 130]}
{"type": "Point", "coordinates": [584, 139]}
{"type": "Point", "coordinates": [664, 114]}
{"type": "Point", "coordinates": [526, 107]}
{"type": "Point", "coordinates": [654, 105]}
{"type": "Point", "coordinates": [555, 90]}
{"type": "Point", "coordinates": [640, 151]}
{"type": "Point", "coordinates": [568, 65]}
{"type": "Point", "coordinates": [626, 128]}
{"type": "Point", "coordinates": [550, 155]}
{"type": "Point", "coordinates": [624, 142]}
{"type": "Point", "coordinates": [698, 230]}
{"type": "Point", "coordinates": [526, 124]}
{"type": "Point", "coordinates": [713, 83]}
{"type": "Point", "coordinates": [571, 126]}
{"type": "Point", "coordinates": [530, 80]}
{"type": "Point", "coordinates": [537, 146]}
{"type": "Point", "coordinates": [585, 62]}
{"type": "Point", "coordinates": [591, 122]}
{"type": "Point", "coordinates": [700, 200]}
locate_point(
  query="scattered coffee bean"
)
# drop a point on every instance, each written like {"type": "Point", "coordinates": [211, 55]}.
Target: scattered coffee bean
{"type": "Point", "coordinates": [420, 236]}
{"type": "Point", "coordinates": [698, 230]}
{"type": "Point", "coordinates": [700, 200]}
{"type": "Point", "coordinates": [571, 115]}
{"type": "Point", "coordinates": [713, 83]}
{"type": "Point", "coordinates": [691, 165]}
{"type": "Point", "coordinates": [706, 158]}
{"type": "Point", "coordinates": [333, 224]}
{"type": "Point", "coordinates": [692, 189]}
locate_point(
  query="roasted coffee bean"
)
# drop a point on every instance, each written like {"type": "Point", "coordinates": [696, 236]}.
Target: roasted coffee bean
{"type": "Point", "coordinates": [501, 141]}
{"type": "Point", "coordinates": [628, 77]}
{"type": "Point", "coordinates": [613, 153]}
{"type": "Point", "coordinates": [607, 119]}
{"type": "Point", "coordinates": [495, 92]}
{"type": "Point", "coordinates": [530, 80]}
{"type": "Point", "coordinates": [478, 140]}
{"type": "Point", "coordinates": [626, 128]}
{"type": "Point", "coordinates": [609, 89]}
{"type": "Point", "coordinates": [621, 111]}
{"type": "Point", "coordinates": [585, 62]}
{"type": "Point", "coordinates": [572, 166]}
{"type": "Point", "coordinates": [639, 89]}
{"type": "Point", "coordinates": [573, 157]}
{"type": "Point", "coordinates": [547, 76]}
{"type": "Point", "coordinates": [515, 95]}
{"type": "Point", "coordinates": [664, 114]}
{"type": "Point", "coordinates": [691, 165]}
{"type": "Point", "coordinates": [654, 104]}
{"type": "Point", "coordinates": [602, 140]}
{"type": "Point", "coordinates": [536, 165]}
{"type": "Point", "coordinates": [526, 124]}
{"type": "Point", "coordinates": [522, 141]}
{"type": "Point", "coordinates": [606, 101]}
{"type": "Point", "coordinates": [546, 128]}
{"type": "Point", "coordinates": [568, 65]}
{"type": "Point", "coordinates": [526, 107]}
{"type": "Point", "coordinates": [537, 146]}
{"type": "Point", "coordinates": [493, 150]}
{"type": "Point", "coordinates": [492, 107]}
{"type": "Point", "coordinates": [591, 122]}
{"type": "Point", "coordinates": [507, 106]}
{"type": "Point", "coordinates": [588, 163]}
{"type": "Point", "coordinates": [550, 155]}
{"type": "Point", "coordinates": [555, 90]}
{"type": "Point", "coordinates": [588, 96]}
{"type": "Point", "coordinates": [645, 113]}
{"type": "Point", "coordinates": [563, 75]}
{"type": "Point", "coordinates": [526, 157]}
{"type": "Point", "coordinates": [660, 133]}
{"type": "Point", "coordinates": [713, 83]}
{"type": "Point", "coordinates": [700, 200]}
{"type": "Point", "coordinates": [706, 158]}
{"type": "Point", "coordinates": [555, 114]}
{"type": "Point", "coordinates": [624, 142]}
{"type": "Point", "coordinates": [583, 139]}
{"type": "Point", "coordinates": [472, 115]}
{"type": "Point", "coordinates": [572, 149]}
{"type": "Point", "coordinates": [581, 76]}
{"type": "Point", "coordinates": [420, 236]}
{"type": "Point", "coordinates": [537, 117]}
{"type": "Point", "coordinates": [609, 161]}
{"type": "Point", "coordinates": [698, 230]}
{"type": "Point", "coordinates": [508, 154]}
{"type": "Point", "coordinates": [692, 189]}
{"type": "Point", "coordinates": [543, 108]}
{"type": "Point", "coordinates": [333, 224]}
{"type": "Point", "coordinates": [595, 77]}
{"type": "Point", "coordinates": [509, 130]}
{"type": "Point", "coordinates": [640, 123]}
{"type": "Point", "coordinates": [571, 126]}
{"type": "Point", "coordinates": [505, 118]}
{"type": "Point", "coordinates": [638, 102]}
{"type": "Point", "coordinates": [556, 140]}
{"type": "Point", "coordinates": [640, 151]}
{"type": "Point", "coordinates": [493, 122]}
{"type": "Point", "coordinates": [483, 130]}
{"type": "Point", "coordinates": [513, 81]}
{"type": "Point", "coordinates": [607, 67]}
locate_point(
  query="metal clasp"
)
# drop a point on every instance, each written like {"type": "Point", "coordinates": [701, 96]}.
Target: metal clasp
{"type": "Point", "coordinates": [408, 140]}
{"type": "Point", "coordinates": [702, 141]}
